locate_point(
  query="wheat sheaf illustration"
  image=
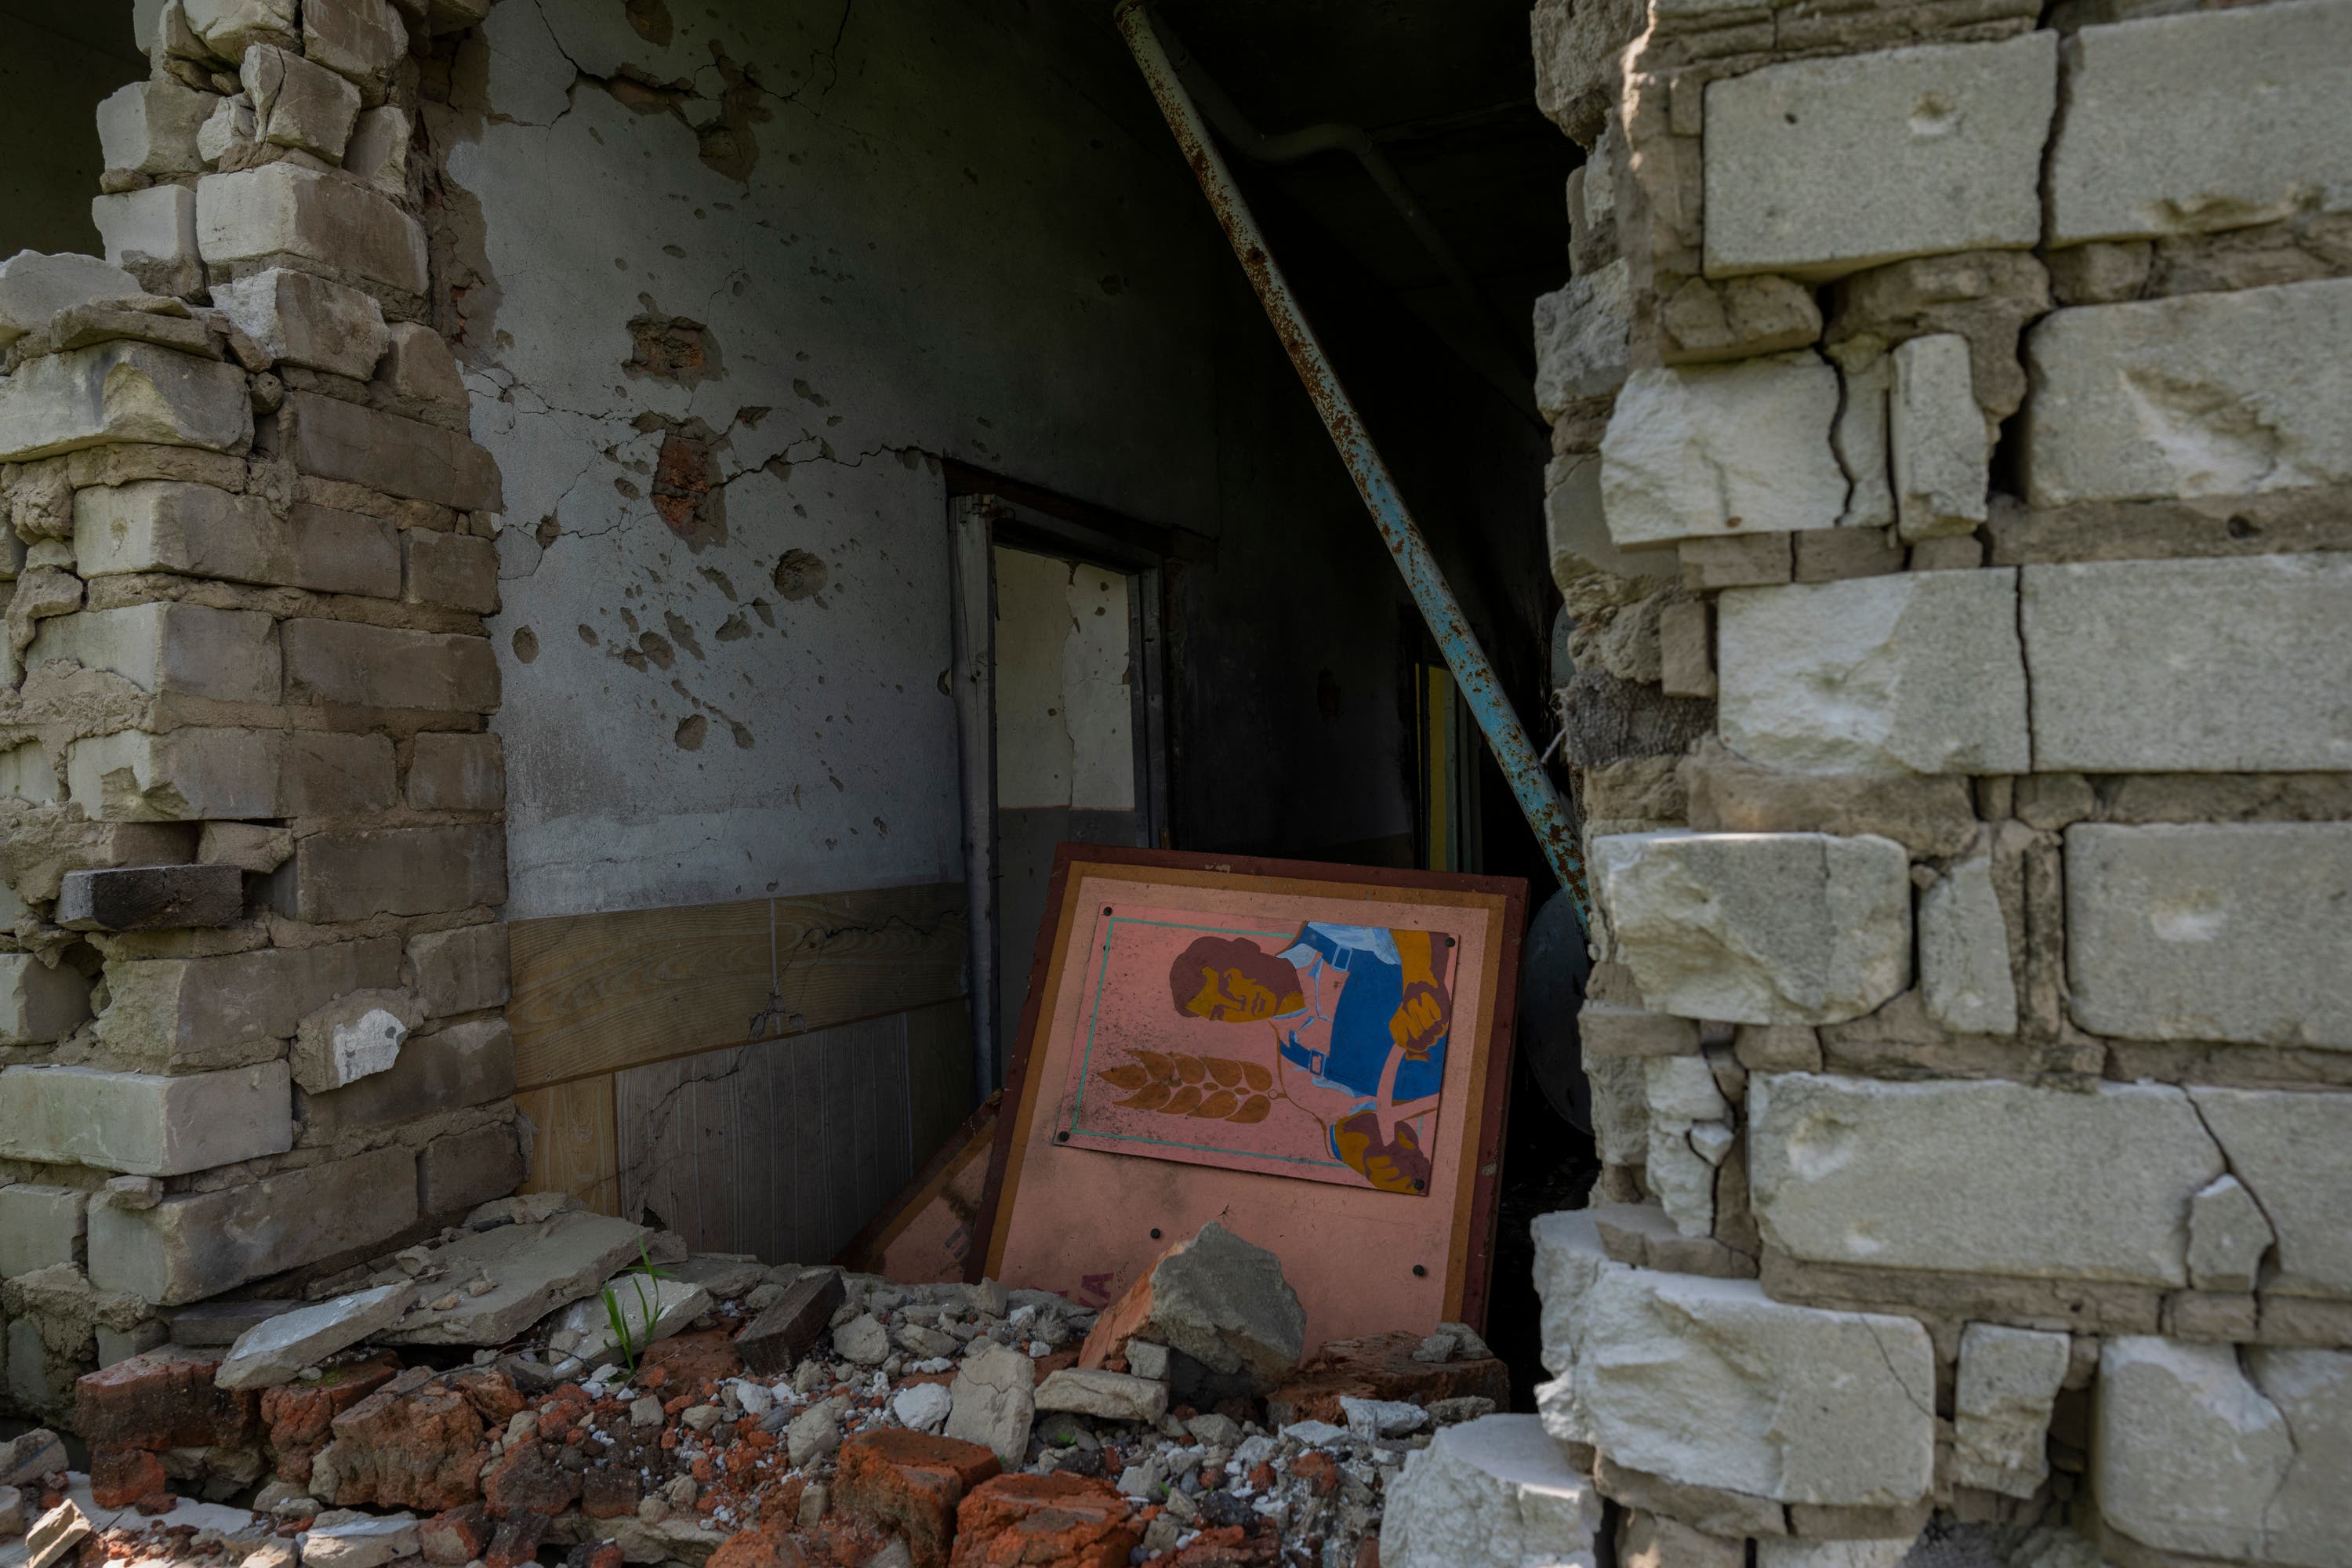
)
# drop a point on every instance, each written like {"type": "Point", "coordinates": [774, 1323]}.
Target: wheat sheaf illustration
{"type": "Point", "coordinates": [1216, 1089]}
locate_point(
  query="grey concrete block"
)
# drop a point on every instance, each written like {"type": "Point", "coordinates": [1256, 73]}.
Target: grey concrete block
{"type": "Point", "coordinates": [1906, 673]}
{"type": "Point", "coordinates": [2205, 121]}
{"type": "Point", "coordinates": [1821, 167]}
{"type": "Point", "coordinates": [1980, 1178]}
{"type": "Point", "coordinates": [40, 1003]}
{"type": "Point", "coordinates": [256, 215]}
{"type": "Point", "coordinates": [454, 1173]}
{"type": "Point", "coordinates": [2232, 931]}
{"type": "Point", "coordinates": [306, 320]}
{"type": "Point", "coordinates": [2191, 665]}
{"type": "Point", "coordinates": [346, 663]}
{"type": "Point", "coordinates": [460, 971]}
{"type": "Point", "coordinates": [2226, 394]}
{"type": "Point", "coordinates": [400, 456]}
{"type": "Point", "coordinates": [456, 772]}
{"type": "Point", "coordinates": [177, 1014]}
{"type": "Point", "coordinates": [1737, 449]}
{"type": "Point", "coordinates": [195, 1244]}
{"type": "Point", "coordinates": [151, 898]}
{"type": "Point", "coordinates": [144, 1124]}
{"type": "Point", "coordinates": [350, 876]}
{"type": "Point", "coordinates": [122, 391]}
{"type": "Point", "coordinates": [171, 650]}
{"type": "Point", "coordinates": [199, 532]}
{"type": "Point", "coordinates": [455, 570]}
{"type": "Point", "coordinates": [40, 1227]}
{"type": "Point", "coordinates": [468, 1063]}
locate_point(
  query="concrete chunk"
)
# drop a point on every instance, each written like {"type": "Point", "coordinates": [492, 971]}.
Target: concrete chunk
{"type": "Point", "coordinates": [2008, 1383]}
{"type": "Point", "coordinates": [346, 663]}
{"type": "Point", "coordinates": [2206, 121]}
{"type": "Point", "coordinates": [34, 288]}
{"type": "Point", "coordinates": [1791, 928]}
{"type": "Point", "coordinates": [277, 1350]}
{"type": "Point", "coordinates": [1978, 1176]}
{"type": "Point", "coordinates": [533, 1269]}
{"type": "Point", "coordinates": [460, 971]}
{"type": "Point", "coordinates": [2293, 1153]}
{"type": "Point", "coordinates": [649, 1310]}
{"type": "Point", "coordinates": [150, 128]}
{"type": "Point", "coordinates": [122, 391]}
{"type": "Point", "coordinates": [352, 1038]}
{"type": "Point", "coordinates": [338, 440]}
{"type": "Point", "coordinates": [199, 532]}
{"type": "Point", "coordinates": [156, 227]}
{"type": "Point", "coordinates": [1218, 1298]}
{"type": "Point", "coordinates": [468, 1063]}
{"type": "Point", "coordinates": [1717, 449]}
{"type": "Point", "coordinates": [40, 1227]}
{"type": "Point", "coordinates": [363, 39]}
{"type": "Point", "coordinates": [296, 103]}
{"type": "Point", "coordinates": [992, 1402]}
{"type": "Point", "coordinates": [1910, 673]}
{"type": "Point", "coordinates": [171, 650]}
{"type": "Point", "coordinates": [1821, 167]}
{"type": "Point", "coordinates": [776, 1340]}
{"type": "Point", "coordinates": [228, 27]}
{"type": "Point", "coordinates": [194, 1245]}
{"type": "Point", "coordinates": [1495, 1492]}
{"type": "Point", "coordinates": [142, 1124]}
{"type": "Point", "coordinates": [1937, 434]}
{"type": "Point", "coordinates": [350, 876]}
{"type": "Point", "coordinates": [256, 215]}
{"type": "Point", "coordinates": [465, 1169]}
{"type": "Point", "coordinates": [2160, 1402]}
{"type": "Point", "coordinates": [40, 1003]}
{"type": "Point", "coordinates": [2227, 1236]}
{"type": "Point", "coordinates": [2232, 931]}
{"type": "Point", "coordinates": [378, 149]}
{"type": "Point", "coordinates": [2191, 665]}
{"type": "Point", "coordinates": [173, 1014]}
{"type": "Point", "coordinates": [1710, 1383]}
{"type": "Point", "coordinates": [151, 898]}
{"type": "Point", "coordinates": [1582, 334]}
{"type": "Point", "coordinates": [2235, 392]}
{"type": "Point", "coordinates": [305, 320]}
{"type": "Point", "coordinates": [1965, 977]}
{"type": "Point", "coordinates": [418, 366]}
{"type": "Point", "coordinates": [456, 772]}
{"type": "Point", "coordinates": [1110, 1395]}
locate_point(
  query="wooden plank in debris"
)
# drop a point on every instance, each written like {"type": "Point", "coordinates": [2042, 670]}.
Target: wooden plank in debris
{"type": "Point", "coordinates": [577, 1149]}
{"type": "Point", "coordinates": [779, 1337]}
{"type": "Point", "coordinates": [601, 992]}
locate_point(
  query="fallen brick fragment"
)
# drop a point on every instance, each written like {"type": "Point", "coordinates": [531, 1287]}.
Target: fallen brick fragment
{"type": "Point", "coordinates": [1382, 1366]}
{"type": "Point", "coordinates": [455, 1535]}
{"type": "Point", "coordinates": [121, 1477]}
{"type": "Point", "coordinates": [414, 1443]}
{"type": "Point", "coordinates": [517, 1541]}
{"type": "Point", "coordinates": [161, 1399]}
{"type": "Point", "coordinates": [298, 1418]}
{"type": "Point", "coordinates": [526, 1479]}
{"type": "Point", "coordinates": [911, 1482]}
{"type": "Point", "coordinates": [1045, 1522]}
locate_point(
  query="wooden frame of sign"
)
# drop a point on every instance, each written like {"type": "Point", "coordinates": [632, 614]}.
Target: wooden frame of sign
{"type": "Point", "coordinates": [1317, 1057]}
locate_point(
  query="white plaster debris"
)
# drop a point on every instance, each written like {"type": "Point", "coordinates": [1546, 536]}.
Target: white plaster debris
{"type": "Point", "coordinates": [1496, 1492]}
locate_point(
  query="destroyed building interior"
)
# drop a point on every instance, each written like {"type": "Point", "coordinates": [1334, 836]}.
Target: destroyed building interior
{"type": "Point", "coordinates": [641, 635]}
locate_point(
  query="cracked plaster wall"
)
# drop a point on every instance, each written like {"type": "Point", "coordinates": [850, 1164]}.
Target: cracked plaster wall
{"type": "Point", "coordinates": [917, 232]}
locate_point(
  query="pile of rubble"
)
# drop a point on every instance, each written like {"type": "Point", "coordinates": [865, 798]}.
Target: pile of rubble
{"type": "Point", "coordinates": [544, 1384]}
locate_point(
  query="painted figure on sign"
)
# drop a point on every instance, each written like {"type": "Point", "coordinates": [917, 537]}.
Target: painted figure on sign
{"type": "Point", "coordinates": [1361, 1012]}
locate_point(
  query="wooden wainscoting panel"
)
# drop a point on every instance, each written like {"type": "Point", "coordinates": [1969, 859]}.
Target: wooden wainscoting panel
{"type": "Point", "coordinates": [596, 994]}
{"type": "Point", "coordinates": [785, 1148]}
{"type": "Point", "coordinates": [576, 1149]}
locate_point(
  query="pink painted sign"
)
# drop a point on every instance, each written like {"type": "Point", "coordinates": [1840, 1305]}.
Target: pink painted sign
{"type": "Point", "coordinates": [1314, 1049]}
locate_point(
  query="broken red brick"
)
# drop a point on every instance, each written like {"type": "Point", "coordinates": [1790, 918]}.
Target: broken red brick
{"type": "Point", "coordinates": [1045, 1522]}
{"type": "Point", "coordinates": [297, 1417]}
{"type": "Point", "coordinates": [163, 1400]}
{"type": "Point", "coordinates": [775, 1545]}
{"type": "Point", "coordinates": [690, 1360]}
{"type": "Point", "coordinates": [611, 1493]}
{"type": "Point", "coordinates": [527, 1479]}
{"type": "Point", "coordinates": [156, 1504]}
{"type": "Point", "coordinates": [516, 1541]}
{"type": "Point", "coordinates": [594, 1554]}
{"type": "Point", "coordinates": [1381, 1366]}
{"type": "Point", "coordinates": [494, 1397]}
{"type": "Point", "coordinates": [121, 1477]}
{"type": "Point", "coordinates": [414, 1443]}
{"type": "Point", "coordinates": [1318, 1470]}
{"type": "Point", "coordinates": [1230, 1546]}
{"type": "Point", "coordinates": [911, 1482]}
{"type": "Point", "coordinates": [455, 1535]}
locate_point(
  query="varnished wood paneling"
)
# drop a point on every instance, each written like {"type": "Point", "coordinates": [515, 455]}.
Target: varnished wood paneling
{"type": "Point", "coordinates": [595, 994]}
{"type": "Point", "coordinates": [577, 1146]}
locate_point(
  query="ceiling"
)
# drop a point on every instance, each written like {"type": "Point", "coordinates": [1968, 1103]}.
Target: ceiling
{"type": "Point", "coordinates": [1446, 88]}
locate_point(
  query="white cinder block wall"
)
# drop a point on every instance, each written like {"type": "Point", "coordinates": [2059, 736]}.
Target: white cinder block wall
{"type": "Point", "coordinates": [1954, 401]}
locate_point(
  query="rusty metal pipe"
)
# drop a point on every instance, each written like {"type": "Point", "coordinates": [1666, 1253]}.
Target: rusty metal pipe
{"type": "Point", "coordinates": [1547, 813]}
